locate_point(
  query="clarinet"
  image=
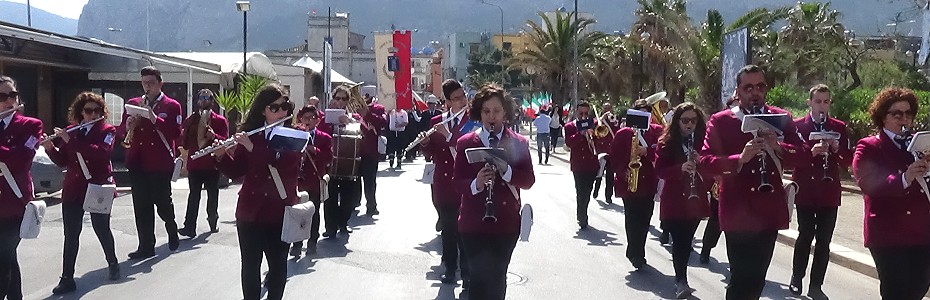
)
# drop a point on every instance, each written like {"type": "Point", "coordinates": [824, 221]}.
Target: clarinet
{"type": "Point", "coordinates": [826, 155]}
{"type": "Point", "coordinates": [489, 216]}
{"type": "Point", "coordinates": [764, 185]}
{"type": "Point", "coordinates": [690, 144]}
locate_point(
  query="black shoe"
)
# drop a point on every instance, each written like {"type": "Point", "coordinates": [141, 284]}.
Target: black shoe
{"type": "Point", "coordinates": [214, 229]}
{"type": "Point", "coordinates": [295, 251]}
{"type": "Point", "coordinates": [448, 278]}
{"type": "Point", "coordinates": [311, 249]}
{"type": "Point", "coordinates": [373, 212]}
{"type": "Point", "coordinates": [391, 163]}
{"type": "Point", "coordinates": [438, 226]}
{"type": "Point", "coordinates": [65, 285]}
{"type": "Point", "coordinates": [795, 286]}
{"type": "Point", "coordinates": [705, 257]}
{"type": "Point", "coordinates": [638, 263]}
{"type": "Point", "coordinates": [173, 242]}
{"type": "Point", "coordinates": [594, 195]}
{"type": "Point", "coordinates": [816, 293]}
{"type": "Point", "coordinates": [188, 232]}
{"type": "Point", "coordinates": [664, 238]}
{"type": "Point", "coordinates": [114, 272]}
{"type": "Point", "coordinates": [328, 233]}
{"type": "Point", "coordinates": [345, 229]}
{"type": "Point", "coordinates": [609, 200]}
{"type": "Point", "coordinates": [583, 225]}
{"type": "Point", "coordinates": [141, 254]}
{"type": "Point", "coordinates": [465, 284]}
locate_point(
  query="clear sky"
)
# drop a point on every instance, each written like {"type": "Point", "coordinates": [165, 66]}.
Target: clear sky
{"type": "Point", "coordinates": [66, 8]}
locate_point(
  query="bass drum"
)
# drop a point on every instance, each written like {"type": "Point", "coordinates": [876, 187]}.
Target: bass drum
{"type": "Point", "coordinates": [347, 143]}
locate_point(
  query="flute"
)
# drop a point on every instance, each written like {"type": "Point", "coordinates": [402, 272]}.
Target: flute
{"type": "Point", "coordinates": [13, 109]}
{"type": "Point", "coordinates": [432, 130]}
{"type": "Point", "coordinates": [72, 129]}
{"type": "Point", "coordinates": [228, 143]}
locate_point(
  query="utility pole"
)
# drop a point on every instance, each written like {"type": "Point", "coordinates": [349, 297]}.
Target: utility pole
{"type": "Point", "coordinates": [29, 13]}
{"type": "Point", "coordinates": [575, 61]}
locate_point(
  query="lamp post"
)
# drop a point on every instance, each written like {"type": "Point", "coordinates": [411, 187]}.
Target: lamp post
{"type": "Point", "coordinates": [502, 33]}
{"type": "Point", "coordinates": [575, 60]}
{"type": "Point", "coordinates": [244, 6]}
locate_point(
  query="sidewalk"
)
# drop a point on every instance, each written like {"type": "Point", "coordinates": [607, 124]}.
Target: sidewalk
{"type": "Point", "coordinates": [846, 248]}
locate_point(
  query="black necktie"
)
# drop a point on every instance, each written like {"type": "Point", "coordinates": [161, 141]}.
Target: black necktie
{"type": "Point", "coordinates": [2, 126]}
{"type": "Point", "coordinates": [493, 140]}
{"type": "Point", "coordinates": [902, 141]}
{"type": "Point", "coordinates": [455, 122]}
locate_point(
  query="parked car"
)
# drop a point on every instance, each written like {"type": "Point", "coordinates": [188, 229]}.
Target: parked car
{"type": "Point", "coordinates": [46, 176]}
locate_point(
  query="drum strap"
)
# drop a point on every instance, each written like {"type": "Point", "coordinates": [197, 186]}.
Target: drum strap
{"type": "Point", "coordinates": [276, 177]}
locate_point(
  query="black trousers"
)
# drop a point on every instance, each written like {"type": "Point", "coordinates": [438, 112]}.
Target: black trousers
{"type": "Point", "coordinates": [341, 203]}
{"type": "Point", "coordinates": [197, 180]}
{"type": "Point", "coordinates": [542, 143]}
{"type": "Point", "coordinates": [814, 223]}
{"type": "Point", "coordinates": [554, 134]}
{"type": "Point", "coordinates": [148, 189]}
{"type": "Point", "coordinates": [637, 214]}
{"type": "Point", "coordinates": [453, 250]}
{"type": "Point", "coordinates": [488, 260]}
{"type": "Point", "coordinates": [584, 184]}
{"type": "Point", "coordinates": [682, 232]}
{"type": "Point", "coordinates": [314, 221]}
{"type": "Point", "coordinates": [750, 254]}
{"type": "Point", "coordinates": [904, 272]}
{"type": "Point", "coordinates": [368, 170]}
{"type": "Point", "coordinates": [395, 143]}
{"type": "Point", "coordinates": [72, 215]}
{"type": "Point", "coordinates": [712, 230]}
{"type": "Point", "coordinates": [11, 285]}
{"type": "Point", "coordinates": [608, 182]}
{"type": "Point", "coordinates": [257, 240]}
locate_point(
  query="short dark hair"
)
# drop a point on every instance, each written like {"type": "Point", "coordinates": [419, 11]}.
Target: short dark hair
{"type": "Point", "coordinates": [487, 92]}
{"type": "Point", "coordinates": [885, 99]}
{"type": "Point", "coordinates": [748, 69]}
{"type": "Point", "coordinates": [584, 104]}
{"type": "Point", "coordinates": [449, 86]}
{"type": "Point", "coordinates": [342, 89]}
{"type": "Point", "coordinates": [150, 70]}
{"type": "Point", "coordinates": [309, 108]}
{"type": "Point", "coordinates": [819, 88]}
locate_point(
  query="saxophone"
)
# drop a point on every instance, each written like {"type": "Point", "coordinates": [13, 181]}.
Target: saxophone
{"type": "Point", "coordinates": [634, 164]}
{"type": "Point", "coordinates": [202, 127]}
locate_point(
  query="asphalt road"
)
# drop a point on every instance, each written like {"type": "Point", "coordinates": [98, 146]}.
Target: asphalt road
{"type": "Point", "coordinates": [395, 255]}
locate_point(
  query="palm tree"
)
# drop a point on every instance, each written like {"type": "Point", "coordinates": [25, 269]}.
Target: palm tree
{"type": "Point", "coordinates": [550, 52]}
{"type": "Point", "coordinates": [812, 40]}
{"type": "Point", "coordinates": [609, 74]}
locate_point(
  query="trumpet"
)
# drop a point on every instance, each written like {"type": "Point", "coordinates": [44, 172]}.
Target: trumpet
{"type": "Point", "coordinates": [131, 130]}
{"type": "Point", "coordinates": [693, 188]}
{"type": "Point", "coordinates": [489, 215]}
{"type": "Point", "coordinates": [70, 130]}
{"type": "Point", "coordinates": [10, 111]}
{"type": "Point", "coordinates": [635, 163]}
{"type": "Point", "coordinates": [426, 134]}
{"type": "Point", "coordinates": [227, 143]}
{"type": "Point", "coordinates": [826, 155]}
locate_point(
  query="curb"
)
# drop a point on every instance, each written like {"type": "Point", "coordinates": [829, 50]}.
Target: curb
{"type": "Point", "coordinates": [859, 262]}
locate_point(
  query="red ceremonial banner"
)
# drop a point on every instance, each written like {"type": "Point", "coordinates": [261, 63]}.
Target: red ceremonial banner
{"type": "Point", "coordinates": [402, 75]}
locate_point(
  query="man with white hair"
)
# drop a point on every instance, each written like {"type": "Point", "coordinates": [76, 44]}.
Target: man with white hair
{"type": "Point", "coordinates": [431, 111]}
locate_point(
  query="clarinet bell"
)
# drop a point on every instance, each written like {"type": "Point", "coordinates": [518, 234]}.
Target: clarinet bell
{"type": "Point", "coordinates": [489, 214]}
{"type": "Point", "coordinates": [765, 187]}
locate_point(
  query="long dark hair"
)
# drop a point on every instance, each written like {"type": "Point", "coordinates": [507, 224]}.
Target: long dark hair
{"type": "Point", "coordinates": [672, 133]}
{"type": "Point", "coordinates": [267, 95]}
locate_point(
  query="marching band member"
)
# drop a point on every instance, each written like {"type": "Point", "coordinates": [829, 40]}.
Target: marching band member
{"type": "Point", "coordinates": [750, 217]}
{"type": "Point", "coordinates": [150, 160]}
{"type": "Point", "coordinates": [375, 120]}
{"type": "Point", "coordinates": [580, 138]}
{"type": "Point", "coordinates": [819, 193]}
{"type": "Point", "coordinates": [260, 210]}
{"type": "Point", "coordinates": [200, 132]}
{"type": "Point", "coordinates": [489, 245]}
{"type": "Point", "coordinates": [426, 118]}
{"type": "Point", "coordinates": [93, 144]}
{"type": "Point", "coordinates": [440, 146]}
{"type": "Point", "coordinates": [607, 118]}
{"type": "Point", "coordinates": [19, 136]}
{"type": "Point", "coordinates": [314, 165]}
{"type": "Point", "coordinates": [396, 137]}
{"type": "Point", "coordinates": [683, 200]}
{"type": "Point", "coordinates": [897, 212]}
{"type": "Point", "coordinates": [639, 204]}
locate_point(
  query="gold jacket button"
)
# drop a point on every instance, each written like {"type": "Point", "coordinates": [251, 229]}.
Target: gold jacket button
{"type": "Point", "coordinates": [504, 203]}
{"type": "Point", "coordinates": [752, 189]}
{"type": "Point", "coordinates": [266, 194]}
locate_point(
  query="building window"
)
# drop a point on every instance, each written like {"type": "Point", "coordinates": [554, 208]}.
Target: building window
{"type": "Point", "coordinates": [473, 48]}
{"type": "Point", "coordinates": [508, 46]}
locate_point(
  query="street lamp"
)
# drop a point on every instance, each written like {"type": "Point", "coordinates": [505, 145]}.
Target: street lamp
{"type": "Point", "coordinates": [244, 6]}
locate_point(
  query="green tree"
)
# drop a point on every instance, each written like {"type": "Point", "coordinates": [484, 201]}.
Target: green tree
{"type": "Point", "coordinates": [550, 52]}
{"type": "Point", "coordinates": [236, 103]}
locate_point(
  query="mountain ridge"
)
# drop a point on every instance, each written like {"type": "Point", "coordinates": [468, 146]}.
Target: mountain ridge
{"type": "Point", "coordinates": [13, 12]}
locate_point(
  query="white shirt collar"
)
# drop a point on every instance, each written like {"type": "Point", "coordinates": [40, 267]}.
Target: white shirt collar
{"type": "Point", "coordinates": [485, 136]}
{"type": "Point", "coordinates": [269, 129]}
{"type": "Point", "coordinates": [892, 136]}
{"type": "Point", "coordinates": [7, 120]}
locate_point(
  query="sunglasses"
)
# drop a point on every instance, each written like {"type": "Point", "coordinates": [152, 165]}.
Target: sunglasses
{"type": "Point", "coordinates": [899, 114]}
{"type": "Point", "coordinates": [341, 98]}
{"type": "Point", "coordinates": [205, 97]}
{"type": "Point", "coordinates": [5, 96]}
{"type": "Point", "coordinates": [688, 120]}
{"type": "Point", "coordinates": [275, 107]}
{"type": "Point", "coordinates": [92, 110]}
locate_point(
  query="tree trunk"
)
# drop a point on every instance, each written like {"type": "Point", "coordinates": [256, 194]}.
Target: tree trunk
{"type": "Point", "coordinates": [853, 69]}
